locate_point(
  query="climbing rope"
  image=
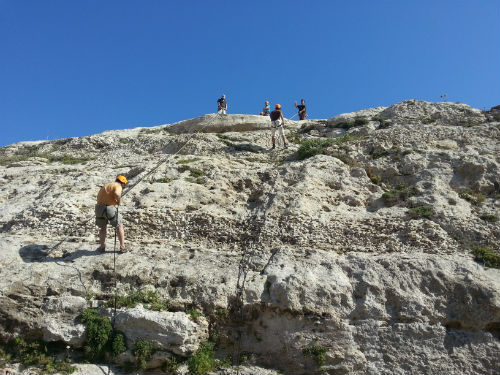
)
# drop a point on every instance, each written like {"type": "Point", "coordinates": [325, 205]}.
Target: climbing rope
{"type": "Point", "coordinates": [243, 268]}
{"type": "Point", "coordinates": [115, 294]}
{"type": "Point", "coordinates": [66, 238]}
{"type": "Point", "coordinates": [243, 264]}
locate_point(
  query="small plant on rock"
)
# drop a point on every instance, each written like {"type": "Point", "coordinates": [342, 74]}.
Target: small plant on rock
{"type": "Point", "coordinates": [194, 313]}
{"type": "Point", "coordinates": [352, 123]}
{"type": "Point", "coordinates": [203, 359]}
{"type": "Point", "coordinates": [187, 161]}
{"type": "Point", "coordinates": [149, 299]}
{"type": "Point", "coordinates": [401, 193]}
{"type": "Point", "coordinates": [311, 147]}
{"type": "Point", "coordinates": [318, 352]}
{"type": "Point", "coordinates": [486, 256]}
{"type": "Point", "coordinates": [36, 354]}
{"type": "Point", "coordinates": [143, 352]}
{"type": "Point", "coordinates": [426, 212]}
{"type": "Point", "coordinates": [118, 345]}
{"type": "Point", "coordinates": [170, 365]}
{"type": "Point", "coordinates": [471, 196]}
{"type": "Point", "coordinates": [489, 217]}
{"type": "Point", "coordinates": [374, 178]}
{"type": "Point", "coordinates": [99, 331]}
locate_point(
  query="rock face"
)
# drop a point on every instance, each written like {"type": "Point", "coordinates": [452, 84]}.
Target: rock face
{"type": "Point", "coordinates": [172, 331]}
{"type": "Point", "coordinates": [356, 260]}
{"type": "Point", "coordinates": [213, 123]}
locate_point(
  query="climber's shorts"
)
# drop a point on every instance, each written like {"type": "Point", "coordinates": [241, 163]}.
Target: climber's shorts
{"type": "Point", "coordinates": [277, 127]}
{"type": "Point", "coordinates": [105, 214]}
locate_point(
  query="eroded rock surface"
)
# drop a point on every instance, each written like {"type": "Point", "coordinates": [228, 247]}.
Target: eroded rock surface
{"type": "Point", "coordinates": [353, 261]}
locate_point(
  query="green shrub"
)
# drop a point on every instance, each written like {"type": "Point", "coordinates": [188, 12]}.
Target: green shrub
{"type": "Point", "coordinates": [151, 131]}
{"type": "Point", "coordinates": [143, 351]}
{"type": "Point", "coordinates": [199, 180]}
{"type": "Point", "coordinates": [203, 359]}
{"type": "Point", "coordinates": [383, 123]}
{"type": "Point", "coordinates": [193, 172]}
{"type": "Point", "coordinates": [486, 256]}
{"type": "Point", "coordinates": [222, 313]}
{"type": "Point", "coordinates": [374, 178]}
{"type": "Point", "coordinates": [294, 137]}
{"type": "Point", "coordinates": [426, 212]}
{"type": "Point", "coordinates": [311, 147]}
{"type": "Point", "coordinates": [170, 365]}
{"type": "Point", "coordinates": [318, 352]}
{"type": "Point", "coordinates": [150, 299]}
{"type": "Point", "coordinates": [489, 217]}
{"type": "Point", "coordinates": [380, 154]}
{"type": "Point", "coordinates": [196, 172]}
{"type": "Point", "coordinates": [118, 345]}
{"type": "Point", "coordinates": [194, 313]}
{"type": "Point", "coordinates": [352, 123]}
{"type": "Point", "coordinates": [99, 332]}
{"type": "Point", "coordinates": [37, 354]}
{"type": "Point", "coordinates": [471, 196]}
{"type": "Point", "coordinates": [401, 193]}
{"type": "Point", "coordinates": [65, 159]}
{"type": "Point", "coordinates": [186, 161]}
{"type": "Point", "coordinates": [428, 120]}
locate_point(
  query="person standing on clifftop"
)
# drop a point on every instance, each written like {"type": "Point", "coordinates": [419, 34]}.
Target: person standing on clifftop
{"type": "Point", "coordinates": [277, 124]}
{"type": "Point", "coordinates": [222, 105]}
{"type": "Point", "coordinates": [302, 109]}
{"type": "Point", "coordinates": [106, 210]}
{"type": "Point", "coordinates": [265, 111]}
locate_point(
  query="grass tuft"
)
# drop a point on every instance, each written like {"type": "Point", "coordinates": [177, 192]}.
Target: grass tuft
{"type": "Point", "coordinates": [489, 217]}
{"type": "Point", "coordinates": [473, 197]}
{"type": "Point", "coordinates": [143, 352]}
{"type": "Point", "coordinates": [203, 360]}
{"type": "Point", "coordinates": [318, 352]}
{"type": "Point", "coordinates": [151, 300]}
{"type": "Point", "coordinates": [486, 256]}
{"type": "Point", "coordinates": [36, 354]}
{"type": "Point", "coordinates": [426, 212]}
{"type": "Point", "coordinates": [401, 193]}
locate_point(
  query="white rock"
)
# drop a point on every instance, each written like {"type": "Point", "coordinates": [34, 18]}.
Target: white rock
{"type": "Point", "coordinates": [173, 331]}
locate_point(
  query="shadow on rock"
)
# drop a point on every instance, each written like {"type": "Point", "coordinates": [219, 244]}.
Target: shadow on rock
{"type": "Point", "coordinates": [42, 253]}
{"type": "Point", "coordinates": [244, 147]}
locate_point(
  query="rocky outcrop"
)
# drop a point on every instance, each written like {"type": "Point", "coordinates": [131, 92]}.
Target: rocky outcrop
{"type": "Point", "coordinates": [355, 260]}
{"type": "Point", "coordinates": [214, 123]}
{"type": "Point", "coordinates": [171, 331]}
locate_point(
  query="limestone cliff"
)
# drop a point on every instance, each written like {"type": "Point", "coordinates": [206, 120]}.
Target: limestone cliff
{"type": "Point", "coordinates": [350, 252]}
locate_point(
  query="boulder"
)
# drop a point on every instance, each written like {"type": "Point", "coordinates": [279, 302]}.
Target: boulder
{"type": "Point", "coordinates": [172, 331]}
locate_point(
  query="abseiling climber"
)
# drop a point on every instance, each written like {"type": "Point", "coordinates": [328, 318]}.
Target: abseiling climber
{"type": "Point", "coordinates": [222, 105]}
{"type": "Point", "coordinates": [106, 210]}
{"type": "Point", "coordinates": [277, 124]}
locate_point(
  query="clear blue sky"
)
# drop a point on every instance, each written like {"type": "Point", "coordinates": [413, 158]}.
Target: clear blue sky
{"type": "Point", "coordinates": [74, 68]}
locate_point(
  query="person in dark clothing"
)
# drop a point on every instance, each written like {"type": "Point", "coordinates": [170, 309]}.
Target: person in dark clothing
{"type": "Point", "coordinates": [222, 105]}
{"type": "Point", "coordinates": [277, 124]}
{"type": "Point", "coordinates": [302, 109]}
